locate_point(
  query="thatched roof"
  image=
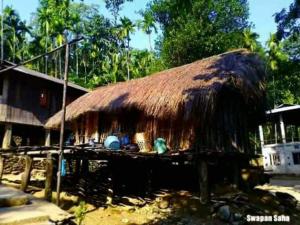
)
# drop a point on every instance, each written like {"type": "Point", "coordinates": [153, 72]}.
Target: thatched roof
{"type": "Point", "coordinates": [178, 91]}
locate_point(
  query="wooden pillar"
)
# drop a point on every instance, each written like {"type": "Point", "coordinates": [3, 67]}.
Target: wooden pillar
{"type": "Point", "coordinates": [77, 170]}
{"type": "Point", "coordinates": [202, 169]}
{"type": "Point", "coordinates": [110, 186]}
{"type": "Point", "coordinates": [26, 174]}
{"type": "Point", "coordinates": [47, 137]}
{"type": "Point", "coordinates": [236, 175]}
{"type": "Point", "coordinates": [85, 166]}
{"type": "Point", "coordinates": [7, 136]}
{"type": "Point", "coordinates": [149, 181]}
{"type": "Point", "coordinates": [49, 178]}
{"type": "Point", "coordinates": [1, 167]}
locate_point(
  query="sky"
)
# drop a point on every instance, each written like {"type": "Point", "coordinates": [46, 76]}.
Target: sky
{"type": "Point", "coordinates": [261, 15]}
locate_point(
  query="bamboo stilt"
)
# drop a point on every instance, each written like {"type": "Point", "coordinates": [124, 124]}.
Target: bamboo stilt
{"type": "Point", "coordinates": [202, 168]}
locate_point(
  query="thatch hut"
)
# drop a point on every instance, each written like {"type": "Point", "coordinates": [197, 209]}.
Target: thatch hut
{"type": "Point", "coordinates": [210, 104]}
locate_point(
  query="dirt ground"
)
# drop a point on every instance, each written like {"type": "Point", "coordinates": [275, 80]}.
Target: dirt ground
{"type": "Point", "coordinates": [173, 207]}
{"type": "Point", "coordinates": [183, 208]}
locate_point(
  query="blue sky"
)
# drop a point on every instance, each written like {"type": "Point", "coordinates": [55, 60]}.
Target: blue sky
{"type": "Point", "coordinates": [261, 15]}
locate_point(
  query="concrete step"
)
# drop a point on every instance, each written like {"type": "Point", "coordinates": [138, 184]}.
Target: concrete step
{"type": "Point", "coordinates": [21, 215]}
{"type": "Point", "coordinates": [10, 197]}
{"type": "Point", "coordinates": [36, 212]}
{"type": "Point", "coordinates": [40, 223]}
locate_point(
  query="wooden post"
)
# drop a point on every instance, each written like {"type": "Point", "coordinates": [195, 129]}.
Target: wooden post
{"type": "Point", "coordinates": [1, 167]}
{"type": "Point", "coordinates": [85, 166]}
{"type": "Point", "coordinates": [47, 137]}
{"type": "Point", "coordinates": [149, 181]}
{"type": "Point", "coordinates": [77, 169]}
{"type": "Point", "coordinates": [26, 174]}
{"type": "Point", "coordinates": [7, 136]}
{"type": "Point", "coordinates": [236, 175]}
{"type": "Point", "coordinates": [49, 178]}
{"type": "Point", "coordinates": [110, 186]}
{"type": "Point", "coordinates": [202, 168]}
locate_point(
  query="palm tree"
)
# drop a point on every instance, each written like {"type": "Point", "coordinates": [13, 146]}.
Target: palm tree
{"type": "Point", "coordinates": [147, 25]}
{"type": "Point", "coordinates": [15, 32]}
{"type": "Point", "coordinates": [126, 28]}
{"type": "Point", "coordinates": [44, 18]}
{"type": "Point", "coordinates": [250, 39]}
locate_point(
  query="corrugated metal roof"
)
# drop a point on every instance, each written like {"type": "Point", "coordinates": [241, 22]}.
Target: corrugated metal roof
{"type": "Point", "coordinates": [283, 108]}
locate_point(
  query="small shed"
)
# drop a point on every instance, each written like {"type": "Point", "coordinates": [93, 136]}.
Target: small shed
{"type": "Point", "coordinates": [210, 104]}
{"type": "Point", "coordinates": [27, 100]}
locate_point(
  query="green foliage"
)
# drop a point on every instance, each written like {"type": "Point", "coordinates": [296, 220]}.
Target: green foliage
{"type": "Point", "coordinates": [15, 31]}
{"type": "Point", "coordinates": [283, 80]}
{"type": "Point", "coordinates": [283, 55]}
{"type": "Point", "coordinates": [104, 56]}
{"type": "Point", "coordinates": [80, 212]}
{"type": "Point", "coordinates": [147, 25]}
{"type": "Point", "coordinates": [114, 6]}
{"type": "Point", "coordinates": [196, 29]}
{"type": "Point", "coordinates": [191, 30]}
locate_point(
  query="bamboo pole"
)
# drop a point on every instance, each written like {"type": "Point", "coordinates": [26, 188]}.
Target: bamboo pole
{"type": "Point", "coordinates": [62, 126]}
{"type": "Point", "coordinates": [40, 56]}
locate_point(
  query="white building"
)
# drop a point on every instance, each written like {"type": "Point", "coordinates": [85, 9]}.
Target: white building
{"type": "Point", "coordinates": [280, 140]}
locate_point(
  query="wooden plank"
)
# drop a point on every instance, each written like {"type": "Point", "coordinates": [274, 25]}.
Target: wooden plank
{"type": "Point", "coordinates": [26, 174]}
{"type": "Point", "coordinates": [49, 178]}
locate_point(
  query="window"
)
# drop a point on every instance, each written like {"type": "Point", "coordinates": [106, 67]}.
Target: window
{"type": "Point", "coordinates": [296, 158]}
{"type": "Point", "coordinates": [275, 159]}
{"type": "Point", "coordinates": [44, 98]}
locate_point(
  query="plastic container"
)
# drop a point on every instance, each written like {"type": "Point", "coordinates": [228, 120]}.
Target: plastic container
{"type": "Point", "coordinates": [160, 145]}
{"type": "Point", "coordinates": [112, 142]}
{"type": "Point", "coordinates": [125, 140]}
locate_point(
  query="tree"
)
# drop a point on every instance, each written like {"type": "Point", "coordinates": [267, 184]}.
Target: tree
{"type": "Point", "coordinates": [283, 80]}
{"type": "Point", "coordinates": [15, 31]}
{"type": "Point", "coordinates": [283, 57]}
{"type": "Point", "coordinates": [250, 40]}
{"type": "Point", "coordinates": [288, 29]}
{"type": "Point", "coordinates": [126, 28]}
{"type": "Point", "coordinates": [104, 56]}
{"type": "Point", "coordinates": [147, 25]}
{"type": "Point", "coordinates": [196, 29]}
{"type": "Point", "coordinates": [114, 6]}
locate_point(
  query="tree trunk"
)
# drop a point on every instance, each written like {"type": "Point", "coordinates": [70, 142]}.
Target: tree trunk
{"type": "Point", "coordinates": [150, 45]}
{"type": "Point", "coordinates": [127, 60]}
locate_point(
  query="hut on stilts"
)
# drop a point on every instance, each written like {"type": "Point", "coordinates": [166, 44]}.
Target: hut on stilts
{"type": "Point", "coordinates": [208, 106]}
